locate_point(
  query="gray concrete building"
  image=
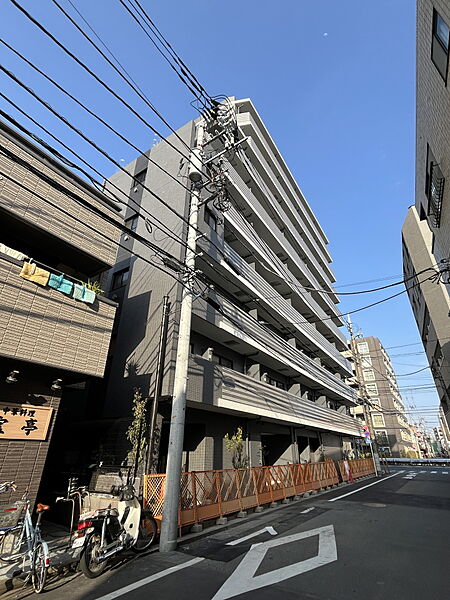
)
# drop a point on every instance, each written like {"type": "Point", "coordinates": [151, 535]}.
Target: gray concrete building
{"type": "Point", "coordinates": [387, 418]}
{"type": "Point", "coordinates": [426, 231]}
{"type": "Point", "coordinates": [265, 349]}
{"type": "Point", "coordinates": [56, 235]}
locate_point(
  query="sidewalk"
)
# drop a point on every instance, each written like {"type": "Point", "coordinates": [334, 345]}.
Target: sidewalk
{"type": "Point", "coordinates": [61, 556]}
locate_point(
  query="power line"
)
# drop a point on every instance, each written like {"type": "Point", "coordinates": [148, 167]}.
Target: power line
{"type": "Point", "coordinates": [128, 80]}
{"type": "Point", "coordinates": [184, 68]}
{"type": "Point", "coordinates": [92, 113]}
{"type": "Point", "coordinates": [96, 77]}
{"type": "Point", "coordinates": [183, 80]}
{"type": "Point", "coordinates": [69, 163]}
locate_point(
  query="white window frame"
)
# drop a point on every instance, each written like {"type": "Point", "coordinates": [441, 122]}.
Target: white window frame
{"type": "Point", "coordinates": [363, 348]}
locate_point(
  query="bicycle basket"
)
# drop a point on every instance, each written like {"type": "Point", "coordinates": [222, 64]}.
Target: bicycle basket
{"type": "Point", "coordinates": [10, 514]}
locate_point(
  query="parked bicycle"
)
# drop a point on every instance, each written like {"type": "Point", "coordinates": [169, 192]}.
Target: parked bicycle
{"type": "Point", "coordinates": [105, 532]}
{"type": "Point", "coordinates": [21, 540]}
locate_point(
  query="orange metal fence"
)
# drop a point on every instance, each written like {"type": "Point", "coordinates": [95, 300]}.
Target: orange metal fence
{"type": "Point", "coordinates": [358, 468]}
{"type": "Point", "coordinates": [212, 494]}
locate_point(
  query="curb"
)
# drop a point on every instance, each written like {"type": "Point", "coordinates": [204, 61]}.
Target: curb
{"type": "Point", "coordinates": [193, 537]}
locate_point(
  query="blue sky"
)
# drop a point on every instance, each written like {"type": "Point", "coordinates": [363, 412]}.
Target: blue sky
{"type": "Point", "coordinates": [333, 81]}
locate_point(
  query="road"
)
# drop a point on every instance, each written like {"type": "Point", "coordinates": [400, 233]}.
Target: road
{"type": "Point", "coordinates": [375, 540]}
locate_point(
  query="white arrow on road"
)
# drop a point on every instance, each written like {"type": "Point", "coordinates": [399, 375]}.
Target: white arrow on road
{"type": "Point", "coordinates": [243, 579]}
{"type": "Point", "coordinates": [270, 530]}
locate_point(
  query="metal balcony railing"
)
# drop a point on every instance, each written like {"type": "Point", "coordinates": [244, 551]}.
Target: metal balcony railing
{"type": "Point", "coordinates": [256, 397]}
{"type": "Point", "coordinates": [248, 330]}
{"type": "Point", "coordinates": [269, 256]}
{"type": "Point", "coordinates": [282, 306]}
{"type": "Point", "coordinates": [264, 218]}
{"type": "Point", "coordinates": [436, 194]}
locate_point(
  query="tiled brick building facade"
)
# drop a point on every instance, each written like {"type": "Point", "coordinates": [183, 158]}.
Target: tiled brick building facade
{"type": "Point", "coordinates": [426, 231]}
{"type": "Point", "coordinates": [53, 343]}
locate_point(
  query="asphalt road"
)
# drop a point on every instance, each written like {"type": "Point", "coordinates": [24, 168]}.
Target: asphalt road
{"type": "Point", "coordinates": [375, 540]}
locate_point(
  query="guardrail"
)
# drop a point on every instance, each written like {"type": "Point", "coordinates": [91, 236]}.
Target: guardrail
{"type": "Point", "coordinates": [358, 468]}
{"type": "Point", "coordinates": [208, 495]}
{"type": "Point", "coordinates": [418, 461]}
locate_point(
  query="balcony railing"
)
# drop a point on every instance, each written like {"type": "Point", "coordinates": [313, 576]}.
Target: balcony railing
{"type": "Point", "coordinates": [436, 194]}
{"type": "Point", "coordinates": [242, 393]}
{"type": "Point", "coordinates": [268, 255]}
{"type": "Point", "coordinates": [245, 328]}
{"type": "Point", "coordinates": [42, 325]}
{"type": "Point", "coordinates": [282, 307]}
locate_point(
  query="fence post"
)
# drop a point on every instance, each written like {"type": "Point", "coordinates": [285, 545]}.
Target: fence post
{"type": "Point", "coordinates": [218, 492]}
{"type": "Point", "coordinates": [194, 495]}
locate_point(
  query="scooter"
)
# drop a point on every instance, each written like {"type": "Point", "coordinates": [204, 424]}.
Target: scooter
{"type": "Point", "coordinates": [105, 532]}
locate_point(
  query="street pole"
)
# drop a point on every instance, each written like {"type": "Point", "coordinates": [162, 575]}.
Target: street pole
{"type": "Point", "coordinates": [158, 384]}
{"type": "Point", "coordinates": [169, 527]}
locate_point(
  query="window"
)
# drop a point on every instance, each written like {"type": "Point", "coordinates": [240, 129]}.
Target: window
{"type": "Point", "coordinates": [434, 188]}
{"type": "Point", "coordinates": [372, 389]}
{"type": "Point", "coordinates": [120, 278]}
{"type": "Point", "coordinates": [440, 45]}
{"type": "Point", "coordinates": [139, 180]}
{"type": "Point", "coordinates": [426, 325]}
{"type": "Point", "coordinates": [131, 222]}
{"type": "Point", "coordinates": [375, 401]}
{"type": "Point", "coordinates": [366, 361]}
{"type": "Point", "coordinates": [363, 348]}
{"type": "Point", "coordinates": [378, 420]}
{"type": "Point", "coordinates": [368, 375]}
{"type": "Point", "coordinates": [222, 361]}
{"type": "Point", "coordinates": [276, 383]}
{"type": "Point", "coordinates": [382, 438]}
{"type": "Point", "coordinates": [211, 219]}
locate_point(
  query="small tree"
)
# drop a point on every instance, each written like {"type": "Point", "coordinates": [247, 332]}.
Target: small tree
{"type": "Point", "coordinates": [235, 445]}
{"type": "Point", "coordinates": [137, 431]}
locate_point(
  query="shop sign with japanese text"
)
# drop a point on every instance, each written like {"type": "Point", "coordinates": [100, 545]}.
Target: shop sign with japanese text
{"type": "Point", "coordinates": [24, 422]}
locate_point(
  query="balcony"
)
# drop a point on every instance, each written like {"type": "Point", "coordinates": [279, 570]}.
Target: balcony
{"type": "Point", "coordinates": [255, 286]}
{"type": "Point", "coordinates": [268, 256]}
{"type": "Point", "coordinates": [44, 326]}
{"type": "Point", "coordinates": [31, 195]}
{"type": "Point", "coordinates": [262, 224]}
{"type": "Point", "coordinates": [235, 327]}
{"type": "Point", "coordinates": [249, 124]}
{"type": "Point", "coordinates": [229, 390]}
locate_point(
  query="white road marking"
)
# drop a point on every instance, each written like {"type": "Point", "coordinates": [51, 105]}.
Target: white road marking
{"type": "Point", "coordinates": [444, 472]}
{"type": "Point", "coordinates": [422, 471]}
{"type": "Point", "coordinates": [366, 486]}
{"type": "Point", "coordinates": [307, 510]}
{"type": "Point", "coordinates": [270, 530]}
{"type": "Point", "coordinates": [433, 472]}
{"type": "Point", "coordinates": [150, 579]}
{"type": "Point", "coordinates": [243, 579]}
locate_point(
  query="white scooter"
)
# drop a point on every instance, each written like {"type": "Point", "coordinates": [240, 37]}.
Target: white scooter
{"type": "Point", "coordinates": [105, 532]}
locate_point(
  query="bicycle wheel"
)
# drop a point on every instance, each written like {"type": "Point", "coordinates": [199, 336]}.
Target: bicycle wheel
{"type": "Point", "coordinates": [147, 532]}
{"type": "Point", "coordinates": [39, 568]}
{"type": "Point", "coordinates": [11, 546]}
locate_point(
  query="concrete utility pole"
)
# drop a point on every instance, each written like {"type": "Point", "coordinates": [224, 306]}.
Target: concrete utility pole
{"type": "Point", "coordinates": [169, 528]}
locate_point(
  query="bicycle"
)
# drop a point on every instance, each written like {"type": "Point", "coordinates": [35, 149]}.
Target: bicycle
{"type": "Point", "coordinates": [20, 540]}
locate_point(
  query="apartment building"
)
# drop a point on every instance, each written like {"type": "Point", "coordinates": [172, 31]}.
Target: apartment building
{"type": "Point", "coordinates": [55, 331]}
{"type": "Point", "coordinates": [265, 350]}
{"type": "Point", "coordinates": [426, 231]}
{"type": "Point", "coordinates": [388, 419]}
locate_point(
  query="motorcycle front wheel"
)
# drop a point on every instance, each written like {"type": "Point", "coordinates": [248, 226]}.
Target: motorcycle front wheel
{"type": "Point", "coordinates": [147, 532]}
{"type": "Point", "coordinates": [89, 564]}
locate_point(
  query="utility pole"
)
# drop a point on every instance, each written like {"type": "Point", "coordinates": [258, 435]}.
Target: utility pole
{"type": "Point", "coordinates": [169, 527]}
{"type": "Point", "coordinates": [158, 384]}
{"type": "Point", "coordinates": [364, 396]}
